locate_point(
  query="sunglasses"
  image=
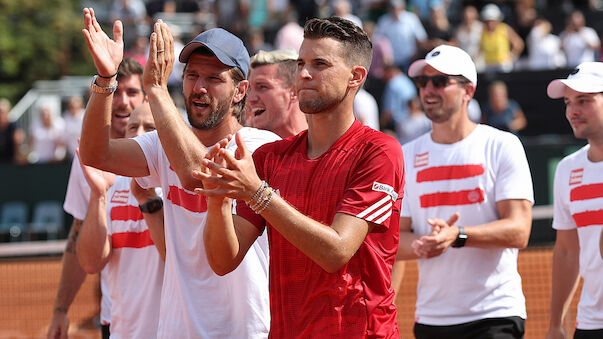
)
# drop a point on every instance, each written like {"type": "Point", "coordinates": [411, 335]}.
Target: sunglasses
{"type": "Point", "coordinates": [438, 81]}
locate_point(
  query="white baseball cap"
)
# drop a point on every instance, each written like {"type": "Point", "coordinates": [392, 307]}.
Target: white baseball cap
{"type": "Point", "coordinates": [586, 78]}
{"type": "Point", "coordinates": [447, 59]}
{"type": "Point", "coordinates": [491, 12]}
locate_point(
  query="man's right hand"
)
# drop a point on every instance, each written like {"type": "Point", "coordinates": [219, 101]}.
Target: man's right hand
{"type": "Point", "coordinates": [59, 325]}
{"type": "Point", "coordinates": [107, 53]}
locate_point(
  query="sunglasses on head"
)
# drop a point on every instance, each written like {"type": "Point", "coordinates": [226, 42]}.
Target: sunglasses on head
{"type": "Point", "coordinates": [438, 81]}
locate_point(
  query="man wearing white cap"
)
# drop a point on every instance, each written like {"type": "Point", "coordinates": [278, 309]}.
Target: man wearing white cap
{"type": "Point", "coordinates": [466, 212]}
{"type": "Point", "coordinates": [578, 207]}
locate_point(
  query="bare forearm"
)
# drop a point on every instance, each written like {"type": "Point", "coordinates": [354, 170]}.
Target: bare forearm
{"type": "Point", "coordinates": [156, 230]}
{"type": "Point", "coordinates": [96, 127]}
{"type": "Point", "coordinates": [405, 250]}
{"type": "Point", "coordinates": [220, 238]}
{"type": "Point", "coordinates": [564, 281]}
{"type": "Point", "coordinates": [93, 246]}
{"type": "Point", "coordinates": [182, 147]}
{"type": "Point", "coordinates": [72, 275]}
{"type": "Point", "coordinates": [500, 233]}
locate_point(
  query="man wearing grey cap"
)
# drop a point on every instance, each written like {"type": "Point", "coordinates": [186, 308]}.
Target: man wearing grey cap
{"type": "Point", "coordinates": [578, 211]}
{"type": "Point", "coordinates": [466, 210]}
{"type": "Point", "coordinates": [195, 302]}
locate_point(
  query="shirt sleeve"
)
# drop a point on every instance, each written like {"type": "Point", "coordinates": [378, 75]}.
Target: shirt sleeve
{"type": "Point", "coordinates": [78, 192]}
{"type": "Point", "coordinates": [375, 190]}
{"type": "Point", "coordinates": [513, 178]}
{"type": "Point", "coordinates": [562, 218]}
{"type": "Point", "coordinates": [151, 147]}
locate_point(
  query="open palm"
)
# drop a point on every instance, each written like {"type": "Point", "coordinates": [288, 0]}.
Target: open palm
{"type": "Point", "coordinates": [107, 53]}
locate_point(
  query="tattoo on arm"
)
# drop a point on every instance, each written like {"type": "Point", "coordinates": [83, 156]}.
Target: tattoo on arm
{"type": "Point", "coordinates": [73, 234]}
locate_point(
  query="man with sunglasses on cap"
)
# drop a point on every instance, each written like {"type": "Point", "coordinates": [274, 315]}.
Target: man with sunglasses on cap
{"type": "Point", "coordinates": [466, 210]}
{"type": "Point", "coordinates": [578, 207]}
{"type": "Point", "coordinates": [195, 302]}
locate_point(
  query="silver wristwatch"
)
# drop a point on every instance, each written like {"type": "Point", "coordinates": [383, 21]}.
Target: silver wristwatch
{"type": "Point", "coordinates": [102, 90]}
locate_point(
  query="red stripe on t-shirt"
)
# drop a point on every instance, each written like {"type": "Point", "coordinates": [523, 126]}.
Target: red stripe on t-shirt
{"type": "Point", "coordinates": [466, 197]}
{"type": "Point", "coordinates": [586, 192]}
{"type": "Point", "coordinates": [131, 239]}
{"type": "Point", "coordinates": [588, 218]}
{"type": "Point", "coordinates": [127, 212]}
{"type": "Point", "coordinates": [191, 202]}
{"type": "Point", "coordinates": [449, 172]}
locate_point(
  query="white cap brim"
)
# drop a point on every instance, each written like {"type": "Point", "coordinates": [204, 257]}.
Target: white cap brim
{"type": "Point", "coordinates": [556, 88]}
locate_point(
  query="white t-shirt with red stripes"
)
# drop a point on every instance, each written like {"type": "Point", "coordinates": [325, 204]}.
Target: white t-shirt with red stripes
{"type": "Point", "coordinates": [135, 269]}
{"type": "Point", "coordinates": [469, 177]}
{"type": "Point", "coordinates": [195, 302]}
{"type": "Point", "coordinates": [579, 205]}
{"type": "Point", "coordinates": [76, 203]}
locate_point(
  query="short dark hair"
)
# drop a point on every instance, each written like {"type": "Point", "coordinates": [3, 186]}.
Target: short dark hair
{"type": "Point", "coordinates": [128, 67]}
{"type": "Point", "coordinates": [237, 76]}
{"type": "Point", "coordinates": [358, 46]}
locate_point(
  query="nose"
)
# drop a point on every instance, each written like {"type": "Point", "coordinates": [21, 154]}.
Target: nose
{"type": "Point", "coordinates": [199, 86]}
{"type": "Point", "coordinates": [140, 130]}
{"type": "Point", "coordinates": [303, 73]}
{"type": "Point", "coordinates": [120, 98]}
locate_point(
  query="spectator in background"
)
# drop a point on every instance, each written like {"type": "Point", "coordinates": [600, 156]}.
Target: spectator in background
{"type": "Point", "coordinates": [383, 55]}
{"type": "Point", "coordinates": [366, 109]}
{"type": "Point", "coordinates": [343, 9]}
{"type": "Point", "coordinates": [500, 44]}
{"type": "Point", "coordinates": [423, 8]}
{"type": "Point", "coordinates": [11, 136]}
{"type": "Point", "coordinates": [502, 112]}
{"type": "Point", "coordinates": [132, 14]}
{"type": "Point", "coordinates": [439, 29]}
{"type": "Point", "coordinates": [415, 124]}
{"type": "Point", "coordinates": [72, 118]}
{"type": "Point", "coordinates": [544, 48]}
{"type": "Point", "coordinates": [139, 50]}
{"type": "Point", "coordinates": [291, 35]}
{"type": "Point", "coordinates": [468, 36]}
{"type": "Point", "coordinates": [579, 42]}
{"type": "Point", "coordinates": [398, 91]}
{"type": "Point", "coordinates": [405, 32]}
{"type": "Point", "coordinates": [46, 141]}
{"type": "Point", "coordinates": [257, 42]}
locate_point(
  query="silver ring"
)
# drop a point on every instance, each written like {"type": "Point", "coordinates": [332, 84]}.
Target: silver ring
{"type": "Point", "coordinates": [161, 51]}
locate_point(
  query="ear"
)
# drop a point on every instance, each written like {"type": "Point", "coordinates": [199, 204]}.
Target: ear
{"type": "Point", "coordinates": [358, 76]}
{"type": "Point", "coordinates": [240, 91]}
{"type": "Point", "coordinates": [469, 91]}
{"type": "Point", "coordinates": [292, 93]}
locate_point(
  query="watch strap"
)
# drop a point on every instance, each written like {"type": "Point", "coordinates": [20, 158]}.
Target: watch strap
{"type": "Point", "coordinates": [100, 89]}
{"type": "Point", "coordinates": [460, 239]}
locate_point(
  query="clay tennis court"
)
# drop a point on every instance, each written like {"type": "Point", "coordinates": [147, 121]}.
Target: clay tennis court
{"type": "Point", "coordinates": [28, 287]}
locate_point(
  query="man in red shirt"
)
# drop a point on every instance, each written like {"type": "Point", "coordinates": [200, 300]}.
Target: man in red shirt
{"type": "Point", "coordinates": [329, 199]}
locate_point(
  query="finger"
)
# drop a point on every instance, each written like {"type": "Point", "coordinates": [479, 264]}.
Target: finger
{"type": "Point", "coordinates": [167, 38]}
{"type": "Point", "coordinates": [242, 151]}
{"type": "Point", "coordinates": [152, 49]}
{"type": "Point", "coordinates": [160, 44]}
{"type": "Point", "coordinates": [213, 152]}
{"type": "Point", "coordinates": [454, 218]}
{"type": "Point", "coordinates": [215, 168]}
{"type": "Point", "coordinates": [216, 192]}
{"type": "Point", "coordinates": [118, 32]}
{"type": "Point", "coordinates": [200, 175]}
{"type": "Point", "coordinates": [95, 23]}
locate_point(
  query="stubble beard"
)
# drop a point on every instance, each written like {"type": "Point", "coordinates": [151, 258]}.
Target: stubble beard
{"type": "Point", "coordinates": [216, 115]}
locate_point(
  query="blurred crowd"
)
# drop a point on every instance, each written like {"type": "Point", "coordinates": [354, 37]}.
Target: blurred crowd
{"type": "Point", "coordinates": [501, 36]}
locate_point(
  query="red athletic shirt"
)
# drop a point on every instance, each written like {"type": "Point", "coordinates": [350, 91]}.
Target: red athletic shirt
{"type": "Point", "coordinates": [362, 175]}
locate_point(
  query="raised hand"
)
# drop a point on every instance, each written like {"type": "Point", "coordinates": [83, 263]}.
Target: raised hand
{"type": "Point", "coordinates": [99, 181]}
{"type": "Point", "coordinates": [161, 57]}
{"type": "Point", "coordinates": [107, 53]}
{"type": "Point", "coordinates": [235, 178]}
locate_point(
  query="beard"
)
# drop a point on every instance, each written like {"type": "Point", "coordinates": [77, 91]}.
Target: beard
{"type": "Point", "coordinates": [442, 113]}
{"type": "Point", "coordinates": [218, 110]}
{"type": "Point", "coordinates": [311, 106]}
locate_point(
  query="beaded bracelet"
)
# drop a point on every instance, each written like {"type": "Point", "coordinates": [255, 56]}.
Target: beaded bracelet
{"type": "Point", "coordinates": [267, 201]}
{"type": "Point", "coordinates": [258, 192]}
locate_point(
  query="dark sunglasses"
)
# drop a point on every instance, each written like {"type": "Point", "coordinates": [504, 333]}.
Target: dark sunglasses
{"type": "Point", "coordinates": [438, 81]}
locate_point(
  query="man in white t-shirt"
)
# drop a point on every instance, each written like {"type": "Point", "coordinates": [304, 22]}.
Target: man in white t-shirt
{"type": "Point", "coordinates": [128, 95]}
{"type": "Point", "coordinates": [122, 226]}
{"type": "Point", "coordinates": [477, 178]}
{"type": "Point", "coordinates": [578, 205]}
{"type": "Point", "coordinates": [195, 302]}
{"type": "Point", "coordinates": [579, 43]}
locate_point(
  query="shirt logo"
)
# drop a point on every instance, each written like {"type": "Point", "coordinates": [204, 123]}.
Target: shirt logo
{"type": "Point", "coordinates": [422, 159]}
{"type": "Point", "coordinates": [576, 176]}
{"type": "Point", "coordinates": [379, 187]}
{"type": "Point", "coordinates": [120, 197]}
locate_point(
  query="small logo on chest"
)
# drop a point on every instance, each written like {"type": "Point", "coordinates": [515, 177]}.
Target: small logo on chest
{"type": "Point", "coordinates": [120, 197]}
{"type": "Point", "coordinates": [422, 160]}
{"type": "Point", "coordinates": [576, 176]}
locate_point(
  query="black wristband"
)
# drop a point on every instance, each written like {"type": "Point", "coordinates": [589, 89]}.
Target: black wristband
{"type": "Point", "coordinates": [151, 206]}
{"type": "Point", "coordinates": [461, 239]}
{"type": "Point", "coordinates": [104, 77]}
